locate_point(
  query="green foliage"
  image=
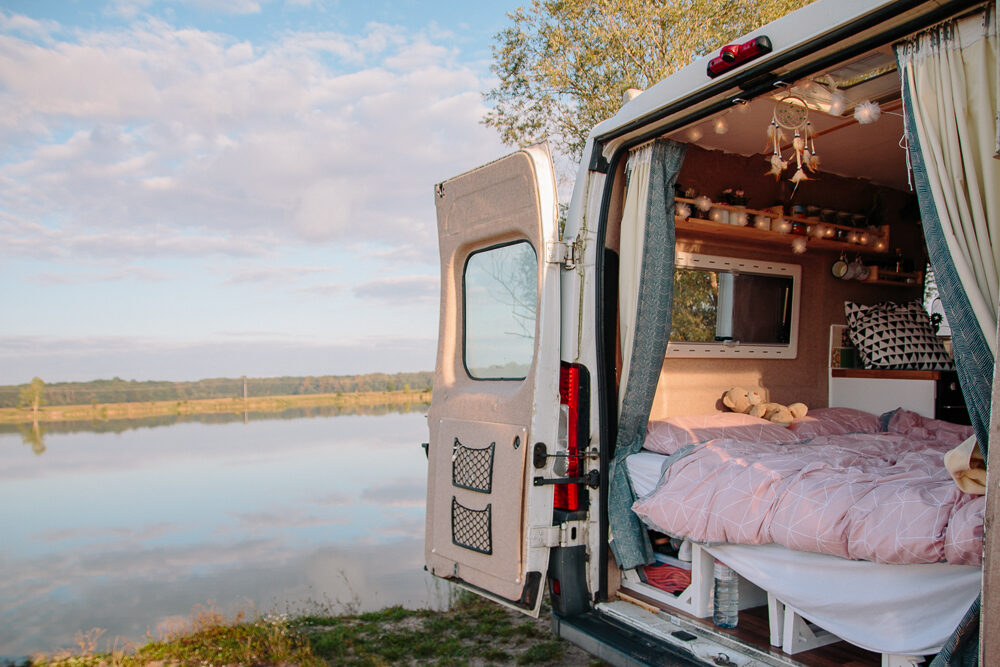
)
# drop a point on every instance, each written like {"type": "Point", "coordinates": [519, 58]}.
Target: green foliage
{"type": "Point", "coordinates": [131, 391]}
{"type": "Point", "coordinates": [542, 653]}
{"type": "Point", "coordinates": [212, 641]}
{"type": "Point", "coordinates": [32, 395]}
{"type": "Point", "coordinates": [695, 300]}
{"type": "Point", "coordinates": [473, 631]}
{"type": "Point", "coordinates": [564, 65]}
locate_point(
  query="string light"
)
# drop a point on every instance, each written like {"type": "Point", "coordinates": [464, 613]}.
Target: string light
{"type": "Point", "coordinates": [867, 112]}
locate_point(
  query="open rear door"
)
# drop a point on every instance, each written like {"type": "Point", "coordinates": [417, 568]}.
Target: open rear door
{"type": "Point", "coordinates": [496, 385]}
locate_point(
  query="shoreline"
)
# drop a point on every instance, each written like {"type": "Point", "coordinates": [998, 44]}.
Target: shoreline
{"type": "Point", "coordinates": [236, 405]}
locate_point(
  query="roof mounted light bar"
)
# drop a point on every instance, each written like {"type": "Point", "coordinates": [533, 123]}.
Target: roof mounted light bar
{"type": "Point", "coordinates": [734, 55]}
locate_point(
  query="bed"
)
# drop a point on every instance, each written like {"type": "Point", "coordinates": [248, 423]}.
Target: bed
{"type": "Point", "coordinates": [846, 518]}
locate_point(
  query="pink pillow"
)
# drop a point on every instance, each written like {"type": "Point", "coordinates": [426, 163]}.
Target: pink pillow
{"type": "Point", "coordinates": [834, 421]}
{"type": "Point", "coordinates": [668, 435]}
{"type": "Point", "coordinates": [918, 427]}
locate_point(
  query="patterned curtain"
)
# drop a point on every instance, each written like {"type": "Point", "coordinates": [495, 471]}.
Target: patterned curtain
{"type": "Point", "coordinates": [650, 331]}
{"type": "Point", "coordinates": [950, 103]}
{"type": "Point", "coordinates": [950, 108]}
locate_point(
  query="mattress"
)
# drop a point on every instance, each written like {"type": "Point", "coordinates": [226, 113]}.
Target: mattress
{"type": "Point", "coordinates": [879, 496]}
{"type": "Point", "coordinates": [908, 609]}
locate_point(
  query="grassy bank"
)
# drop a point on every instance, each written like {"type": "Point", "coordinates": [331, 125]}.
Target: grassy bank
{"type": "Point", "coordinates": [473, 632]}
{"type": "Point", "coordinates": [109, 411]}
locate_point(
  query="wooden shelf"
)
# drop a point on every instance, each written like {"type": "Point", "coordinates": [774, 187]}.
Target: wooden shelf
{"type": "Point", "coordinates": [879, 276]}
{"type": "Point", "coordinates": [884, 374]}
{"type": "Point", "coordinates": [752, 234]}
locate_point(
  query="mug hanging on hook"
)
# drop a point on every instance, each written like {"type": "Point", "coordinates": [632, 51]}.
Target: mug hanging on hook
{"type": "Point", "coordinates": [839, 267]}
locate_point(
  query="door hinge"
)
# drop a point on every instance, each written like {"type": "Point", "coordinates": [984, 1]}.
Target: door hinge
{"type": "Point", "coordinates": [566, 253]}
{"type": "Point", "coordinates": [568, 534]}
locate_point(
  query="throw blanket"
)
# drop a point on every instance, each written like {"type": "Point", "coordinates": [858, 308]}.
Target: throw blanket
{"type": "Point", "coordinates": [882, 497]}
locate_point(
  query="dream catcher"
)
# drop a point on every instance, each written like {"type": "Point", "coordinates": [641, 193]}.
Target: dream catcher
{"type": "Point", "coordinates": [791, 113]}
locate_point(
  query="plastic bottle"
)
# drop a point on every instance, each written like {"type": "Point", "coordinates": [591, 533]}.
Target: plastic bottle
{"type": "Point", "coordinates": [727, 596]}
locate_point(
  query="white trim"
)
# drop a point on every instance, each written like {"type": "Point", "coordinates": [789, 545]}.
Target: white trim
{"type": "Point", "coordinates": [679, 350]}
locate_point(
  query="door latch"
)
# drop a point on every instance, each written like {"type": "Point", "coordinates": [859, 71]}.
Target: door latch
{"type": "Point", "coordinates": [568, 534]}
{"type": "Point", "coordinates": [591, 479]}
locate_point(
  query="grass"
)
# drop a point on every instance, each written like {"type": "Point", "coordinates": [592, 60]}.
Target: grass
{"type": "Point", "coordinates": [473, 631]}
{"type": "Point", "coordinates": [108, 411]}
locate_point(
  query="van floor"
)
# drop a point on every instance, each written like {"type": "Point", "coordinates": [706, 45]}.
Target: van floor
{"type": "Point", "coordinates": [754, 629]}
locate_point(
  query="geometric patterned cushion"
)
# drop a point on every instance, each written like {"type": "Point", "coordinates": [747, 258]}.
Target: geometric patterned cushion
{"type": "Point", "coordinates": [897, 336]}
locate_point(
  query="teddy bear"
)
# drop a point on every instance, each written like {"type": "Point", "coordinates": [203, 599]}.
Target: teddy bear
{"type": "Point", "coordinates": [751, 402]}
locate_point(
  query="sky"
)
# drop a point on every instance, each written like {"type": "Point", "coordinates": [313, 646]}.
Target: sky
{"type": "Point", "coordinates": [218, 188]}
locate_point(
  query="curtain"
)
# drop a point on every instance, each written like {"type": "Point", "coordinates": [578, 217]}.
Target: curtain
{"type": "Point", "coordinates": [950, 89]}
{"type": "Point", "coordinates": [630, 252]}
{"type": "Point", "coordinates": [648, 259]}
{"type": "Point", "coordinates": [950, 104]}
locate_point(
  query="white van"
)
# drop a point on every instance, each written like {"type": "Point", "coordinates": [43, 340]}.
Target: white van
{"type": "Point", "coordinates": [761, 219]}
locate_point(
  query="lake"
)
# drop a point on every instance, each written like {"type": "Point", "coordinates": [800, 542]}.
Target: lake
{"type": "Point", "coordinates": [129, 529]}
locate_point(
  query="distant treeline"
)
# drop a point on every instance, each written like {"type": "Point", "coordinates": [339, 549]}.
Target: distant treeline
{"type": "Point", "coordinates": [132, 391]}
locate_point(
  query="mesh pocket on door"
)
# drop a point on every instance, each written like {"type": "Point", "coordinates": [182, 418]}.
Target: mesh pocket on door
{"type": "Point", "coordinates": [472, 469]}
{"type": "Point", "coordinates": [471, 528]}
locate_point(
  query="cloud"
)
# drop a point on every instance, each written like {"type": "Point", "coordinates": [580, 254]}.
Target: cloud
{"type": "Point", "coordinates": [400, 289]}
{"type": "Point", "coordinates": [164, 141]}
{"type": "Point", "coordinates": [274, 274]}
{"type": "Point", "coordinates": [86, 358]}
{"type": "Point", "coordinates": [127, 274]}
{"type": "Point", "coordinates": [398, 493]}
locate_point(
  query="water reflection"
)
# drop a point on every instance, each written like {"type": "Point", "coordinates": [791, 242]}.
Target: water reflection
{"type": "Point", "coordinates": [128, 529]}
{"type": "Point", "coordinates": [33, 434]}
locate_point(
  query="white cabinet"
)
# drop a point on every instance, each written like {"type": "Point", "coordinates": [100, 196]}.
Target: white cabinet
{"type": "Point", "coordinates": [877, 391]}
{"type": "Point", "coordinates": [881, 391]}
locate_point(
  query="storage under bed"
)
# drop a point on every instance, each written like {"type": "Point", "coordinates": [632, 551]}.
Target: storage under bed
{"type": "Point", "coordinates": [893, 608]}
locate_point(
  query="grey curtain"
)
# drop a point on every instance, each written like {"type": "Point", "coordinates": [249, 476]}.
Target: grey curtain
{"type": "Point", "coordinates": [629, 541]}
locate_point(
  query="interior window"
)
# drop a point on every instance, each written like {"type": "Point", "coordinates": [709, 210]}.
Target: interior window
{"type": "Point", "coordinates": [712, 306]}
{"type": "Point", "coordinates": [734, 307]}
{"type": "Point", "coordinates": [500, 303]}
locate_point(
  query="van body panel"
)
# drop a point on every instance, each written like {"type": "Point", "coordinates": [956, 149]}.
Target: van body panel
{"type": "Point", "coordinates": [804, 42]}
{"type": "Point", "coordinates": [484, 513]}
{"type": "Point", "coordinates": [819, 36]}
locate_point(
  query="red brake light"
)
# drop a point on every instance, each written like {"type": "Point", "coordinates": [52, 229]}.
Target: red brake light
{"type": "Point", "coordinates": [734, 55]}
{"type": "Point", "coordinates": [567, 496]}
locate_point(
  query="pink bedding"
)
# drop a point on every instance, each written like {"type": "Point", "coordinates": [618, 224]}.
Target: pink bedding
{"type": "Point", "coordinates": [883, 497]}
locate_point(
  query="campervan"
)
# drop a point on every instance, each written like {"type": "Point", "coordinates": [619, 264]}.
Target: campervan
{"type": "Point", "coordinates": [614, 419]}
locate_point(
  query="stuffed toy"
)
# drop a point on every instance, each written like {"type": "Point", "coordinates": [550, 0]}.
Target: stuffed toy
{"type": "Point", "coordinates": [751, 403]}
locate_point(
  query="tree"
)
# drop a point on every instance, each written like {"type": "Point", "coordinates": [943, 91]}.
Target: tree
{"type": "Point", "coordinates": [33, 395]}
{"type": "Point", "coordinates": [564, 65]}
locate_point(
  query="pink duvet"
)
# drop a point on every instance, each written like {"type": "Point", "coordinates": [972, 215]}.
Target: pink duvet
{"type": "Point", "coordinates": [883, 497]}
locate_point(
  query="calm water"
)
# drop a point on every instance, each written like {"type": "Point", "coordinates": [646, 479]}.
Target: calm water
{"type": "Point", "coordinates": [128, 531]}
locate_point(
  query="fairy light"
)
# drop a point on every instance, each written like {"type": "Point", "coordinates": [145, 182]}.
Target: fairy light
{"type": "Point", "coordinates": [761, 221]}
{"type": "Point", "coordinates": [782, 225]}
{"type": "Point", "coordinates": [799, 245]}
{"type": "Point", "coordinates": [720, 125]}
{"type": "Point", "coordinates": [867, 112]}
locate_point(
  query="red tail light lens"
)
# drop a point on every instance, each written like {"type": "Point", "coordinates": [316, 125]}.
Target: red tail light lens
{"type": "Point", "coordinates": [567, 496]}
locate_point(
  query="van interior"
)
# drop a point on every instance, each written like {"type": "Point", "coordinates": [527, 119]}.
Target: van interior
{"type": "Point", "coordinates": [853, 229]}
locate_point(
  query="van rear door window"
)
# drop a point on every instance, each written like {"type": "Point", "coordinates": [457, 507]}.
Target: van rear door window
{"type": "Point", "coordinates": [500, 301]}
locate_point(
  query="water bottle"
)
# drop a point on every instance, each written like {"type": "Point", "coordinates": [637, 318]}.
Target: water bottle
{"type": "Point", "coordinates": [727, 596]}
